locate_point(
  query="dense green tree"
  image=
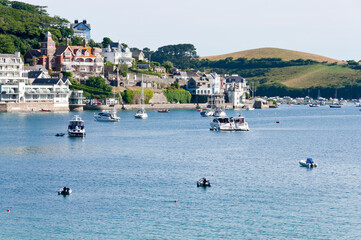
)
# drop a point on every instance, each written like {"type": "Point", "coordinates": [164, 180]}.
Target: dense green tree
{"type": "Point", "coordinates": [147, 52]}
{"type": "Point", "coordinates": [77, 41]}
{"type": "Point", "coordinates": [6, 44]}
{"type": "Point", "coordinates": [92, 43]}
{"type": "Point", "coordinates": [180, 55]}
{"type": "Point", "coordinates": [98, 82]}
{"type": "Point", "coordinates": [106, 41]}
{"type": "Point", "coordinates": [26, 24]}
{"type": "Point", "coordinates": [168, 65]}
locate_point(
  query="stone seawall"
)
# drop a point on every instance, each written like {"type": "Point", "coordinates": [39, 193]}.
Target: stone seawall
{"type": "Point", "coordinates": [147, 106]}
{"type": "Point", "coordinates": [31, 107]}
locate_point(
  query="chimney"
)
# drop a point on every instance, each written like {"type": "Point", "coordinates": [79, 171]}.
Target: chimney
{"type": "Point", "coordinates": [67, 42]}
{"type": "Point", "coordinates": [84, 21]}
{"type": "Point", "coordinates": [76, 21]}
{"type": "Point", "coordinates": [17, 54]}
{"type": "Point", "coordinates": [84, 42]}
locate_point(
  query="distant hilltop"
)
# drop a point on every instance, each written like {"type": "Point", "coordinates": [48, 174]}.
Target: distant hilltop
{"type": "Point", "coordinates": [285, 54]}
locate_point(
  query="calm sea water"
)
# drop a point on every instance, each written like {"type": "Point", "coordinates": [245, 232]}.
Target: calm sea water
{"type": "Point", "coordinates": [126, 176]}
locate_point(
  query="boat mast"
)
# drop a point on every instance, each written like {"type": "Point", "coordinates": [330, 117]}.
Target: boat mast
{"type": "Point", "coordinates": [142, 99]}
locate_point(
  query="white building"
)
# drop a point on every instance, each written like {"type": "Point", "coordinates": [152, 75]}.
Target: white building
{"type": "Point", "coordinates": [236, 88]}
{"type": "Point", "coordinates": [43, 90]}
{"type": "Point", "coordinates": [208, 84]}
{"type": "Point", "coordinates": [11, 69]}
{"type": "Point", "coordinates": [118, 54]}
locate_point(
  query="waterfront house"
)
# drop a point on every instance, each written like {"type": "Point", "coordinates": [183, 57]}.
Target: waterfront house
{"type": "Point", "coordinates": [11, 69]}
{"type": "Point", "coordinates": [236, 89]}
{"type": "Point", "coordinates": [207, 84]}
{"type": "Point", "coordinates": [81, 29]}
{"type": "Point", "coordinates": [118, 54]}
{"type": "Point", "coordinates": [16, 94]}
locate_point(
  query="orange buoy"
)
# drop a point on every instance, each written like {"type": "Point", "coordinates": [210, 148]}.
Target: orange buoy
{"type": "Point", "coordinates": [8, 210]}
{"type": "Point", "coordinates": [175, 201]}
{"type": "Point", "coordinates": [277, 121]}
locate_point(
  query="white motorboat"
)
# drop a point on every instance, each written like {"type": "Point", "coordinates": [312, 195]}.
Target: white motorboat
{"type": "Point", "coordinates": [358, 104]}
{"type": "Point", "coordinates": [207, 113]}
{"type": "Point", "coordinates": [336, 105]}
{"type": "Point", "coordinates": [107, 116]}
{"type": "Point", "coordinates": [229, 124]}
{"type": "Point", "coordinates": [250, 108]}
{"type": "Point", "coordinates": [203, 182]}
{"type": "Point", "coordinates": [76, 127]}
{"type": "Point", "coordinates": [219, 113]}
{"type": "Point", "coordinates": [141, 113]}
{"type": "Point", "coordinates": [308, 163]}
{"type": "Point", "coordinates": [314, 105]}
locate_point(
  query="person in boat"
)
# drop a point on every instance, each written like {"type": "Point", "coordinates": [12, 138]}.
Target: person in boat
{"type": "Point", "coordinates": [64, 190]}
{"type": "Point", "coordinates": [205, 181]}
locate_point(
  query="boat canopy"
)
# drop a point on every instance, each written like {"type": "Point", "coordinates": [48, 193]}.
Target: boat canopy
{"type": "Point", "coordinates": [309, 160]}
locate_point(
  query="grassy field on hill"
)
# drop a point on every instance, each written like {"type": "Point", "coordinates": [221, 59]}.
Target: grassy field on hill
{"type": "Point", "coordinates": [285, 54]}
{"type": "Point", "coordinates": [309, 76]}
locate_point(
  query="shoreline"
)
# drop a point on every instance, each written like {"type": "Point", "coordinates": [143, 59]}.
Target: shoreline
{"type": "Point", "coordinates": [146, 106]}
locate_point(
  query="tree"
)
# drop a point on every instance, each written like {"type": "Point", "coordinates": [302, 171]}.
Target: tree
{"type": "Point", "coordinates": [77, 41]}
{"type": "Point", "coordinates": [168, 65]}
{"type": "Point", "coordinates": [92, 43]}
{"type": "Point", "coordinates": [106, 41]}
{"type": "Point", "coordinates": [6, 44]}
{"type": "Point", "coordinates": [147, 52]}
{"type": "Point", "coordinates": [180, 55]}
{"type": "Point", "coordinates": [98, 82]}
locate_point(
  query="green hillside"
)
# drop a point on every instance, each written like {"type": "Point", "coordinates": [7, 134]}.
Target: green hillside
{"type": "Point", "coordinates": [284, 54]}
{"type": "Point", "coordinates": [317, 75]}
{"type": "Point", "coordinates": [22, 26]}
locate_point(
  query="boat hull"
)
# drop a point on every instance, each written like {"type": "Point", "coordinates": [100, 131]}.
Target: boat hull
{"type": "Point", "coordinates": [303, 163]}
{"type": "Point", "coordinates": [76, 134]}
{"type": "Point", "coordinates": [100, 119]}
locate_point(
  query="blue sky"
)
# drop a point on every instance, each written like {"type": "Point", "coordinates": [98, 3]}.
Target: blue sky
{"type": "Point", "coordinates": [326, 27]}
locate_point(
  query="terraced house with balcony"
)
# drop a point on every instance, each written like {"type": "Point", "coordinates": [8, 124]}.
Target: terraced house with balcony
{"type": "Point", "coordinates": [44, 93]}
{"type": "Point", "coordinates": [11, 69]}
{"type": "Point", "coordinates": [83, 61]}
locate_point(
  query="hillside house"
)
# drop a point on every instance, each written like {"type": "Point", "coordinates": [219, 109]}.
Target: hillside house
{"type": "Point", "coordinates": [81, 29]}
{"type": "Point", "coordinates": [83, 61]}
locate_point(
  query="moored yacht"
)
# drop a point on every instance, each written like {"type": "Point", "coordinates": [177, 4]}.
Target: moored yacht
{"type": "Point", "coordinates": [338, 105]}
{"type": "Point", "coordinates": [315, 104]}
{"type": "Point", "coordinates": [219, 113]}
{"type": "Point", "coordinates": [229, 124]}
{"type": "Point", "coordinates": [76, 127]}
{"type": "Point", "coordinates": [141, 113]}
{"type": "Point", "coordinates": [107, 116]}
{"type": "Point", "coordinates": [207, 113]}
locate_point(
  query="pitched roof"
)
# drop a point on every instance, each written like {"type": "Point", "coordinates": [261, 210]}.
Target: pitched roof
{"type": "Point", "coordinates": [47, 81]}
{"type": "Point", "coordinates": [82, 49]}
{"type": "Point", "coordinates": [74, 25]}
{"type": "Point", "coordinates": [234, 79]}
{"type": "Point", "coordinates": [136, 53]}
{"type": "Point", "coordinates": [60, 49]}
{"type": "Point", "coordinates": [34, 74]}
{"type": "Point", "coordinates": [34, 52]}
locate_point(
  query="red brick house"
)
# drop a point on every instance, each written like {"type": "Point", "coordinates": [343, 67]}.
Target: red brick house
{"type": "Point", "coordinates": [81, 60]}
